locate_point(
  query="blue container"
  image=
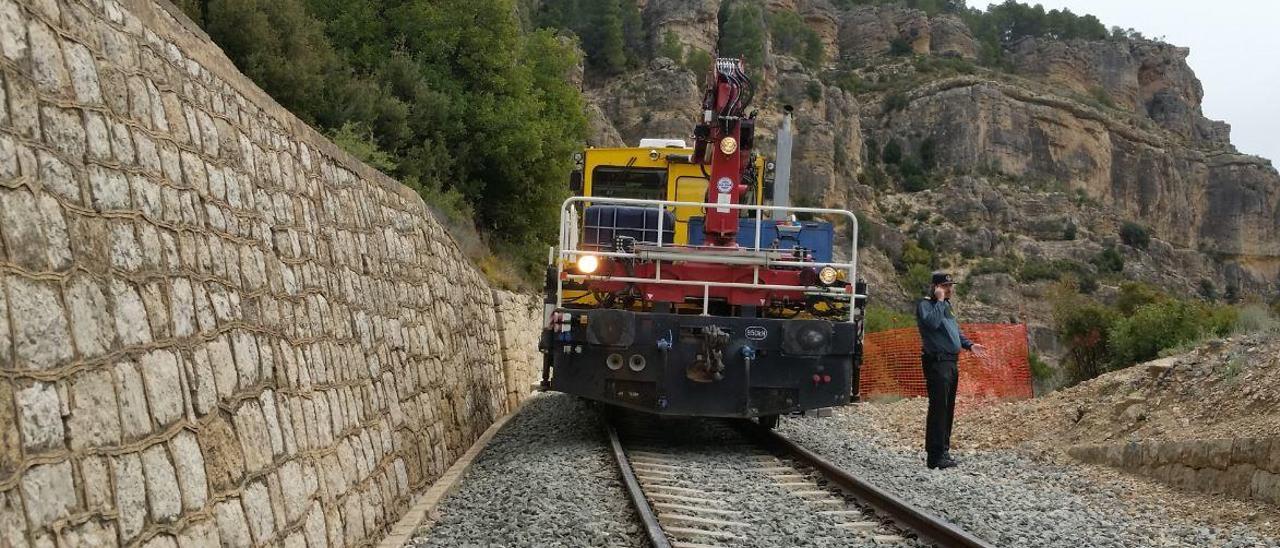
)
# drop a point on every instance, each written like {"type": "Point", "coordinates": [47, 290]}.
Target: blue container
{"type": "Point", "coordinates": [817, 236]}
{"type": "Point", "coordinates": [605, 222]}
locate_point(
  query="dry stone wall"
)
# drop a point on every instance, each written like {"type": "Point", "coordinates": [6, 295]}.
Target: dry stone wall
{"type": "Point", "coordinates": [1239, 467]}
{"type": "Point", "coordinates": [216, 328]}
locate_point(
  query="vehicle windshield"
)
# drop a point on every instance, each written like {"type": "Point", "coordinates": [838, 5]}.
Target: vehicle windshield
{"type": "Point", "coordinates": [625, 182]}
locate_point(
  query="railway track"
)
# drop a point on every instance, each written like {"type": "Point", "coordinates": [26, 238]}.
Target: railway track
{"type": "Point", "coordinates": [701, 483]}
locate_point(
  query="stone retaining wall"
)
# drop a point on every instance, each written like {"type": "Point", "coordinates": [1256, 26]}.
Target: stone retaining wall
{"type": "Point", "coordinates": [215, 326]}
{"type": "Point", "coordinates": [1240, 467]}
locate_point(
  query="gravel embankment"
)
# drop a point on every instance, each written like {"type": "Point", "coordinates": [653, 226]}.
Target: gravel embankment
{"type": "Point", "coordinates": [546, 479]}
{"type": "Point", "coordinates": [1006, 499]}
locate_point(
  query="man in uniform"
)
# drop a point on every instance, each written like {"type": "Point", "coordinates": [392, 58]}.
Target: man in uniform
{"type": "Point", "coordinates": [942, 341]}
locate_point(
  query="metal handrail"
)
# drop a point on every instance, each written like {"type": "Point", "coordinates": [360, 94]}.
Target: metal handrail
{"type": "Point", "coordinates": [564, 252]}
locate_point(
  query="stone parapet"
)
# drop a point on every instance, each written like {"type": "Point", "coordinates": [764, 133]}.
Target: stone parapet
{"type": "Point", "coordinates": [215, 326]}
{"type": "Point", "coordinates": [1239, 467]}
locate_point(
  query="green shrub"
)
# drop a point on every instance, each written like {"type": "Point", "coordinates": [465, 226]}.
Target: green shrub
{"type": "Point", "coordinates": [791, 35]}
{"type": "Point", "coordinates": [916, 182]}
{"type": "Point", "coordinates": [1109, 260]}
{"type": "Point", "coordinates": [913, 253]}
{"type": "Point", "coordinates": [880, 318]}
{"type": "Point", "coordinates": [814, 91]}
{"type": "Point", "coordinates": [1154, 327]}
{"type": "Point", "coordinates": [699, 62]}
{"type": "Point", "coordinates": [671, 48]}
{"type": "Point", "coordinates": [1040, 370]}
{"type": "Point", "coordinates": [892, 153]}
{"type": "Point", "coordinates": [896, 101]}
{"type": "Point", "coordinates": [1135, 235]}
{"type": "Point", "coordinates": [1254, 318]}
{"type": "Point", "coordinates": [1083, 326]}
{"type": "Point", "coordinates": [1207, 290]}
{"type": "Point", "coordinates": [899, 47]}
{"type": "Point", "coordinates": [1005, 265]}
{"type": "Point", "coordinates": [1134, 295]}
{"type": "Point", "coordinates": [916, 281]}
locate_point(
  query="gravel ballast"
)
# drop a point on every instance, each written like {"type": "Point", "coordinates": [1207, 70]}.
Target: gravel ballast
{"type": "Point", "coordinates": [546, 479]}
{"type": "Point", "coordinates": [1003, 498]}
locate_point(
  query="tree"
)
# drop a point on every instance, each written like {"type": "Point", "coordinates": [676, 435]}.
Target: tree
{"type": "Point", "coordinates": [1135, 235]}
{"type": "Point", "coordinates": [789, 34]}
{"type": "Point", "coordinates": [742, 32]}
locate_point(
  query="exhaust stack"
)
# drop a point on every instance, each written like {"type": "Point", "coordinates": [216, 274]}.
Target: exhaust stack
{"type": "Point", "coordinates": [782, 166]}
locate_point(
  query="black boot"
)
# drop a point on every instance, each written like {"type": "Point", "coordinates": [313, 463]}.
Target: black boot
{"type": "Point", "coordinates": [940, 463]}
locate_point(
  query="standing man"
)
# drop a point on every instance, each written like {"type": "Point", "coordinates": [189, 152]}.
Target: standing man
{"type": "Point", "coordinates": [942, 341]}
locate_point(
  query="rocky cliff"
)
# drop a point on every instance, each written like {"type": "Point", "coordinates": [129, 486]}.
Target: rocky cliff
{"type": "Point", "coordinates": [1040, 157]}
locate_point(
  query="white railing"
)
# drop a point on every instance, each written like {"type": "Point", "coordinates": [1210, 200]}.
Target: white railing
{"type": "Point", "coordinates": [756, 256]}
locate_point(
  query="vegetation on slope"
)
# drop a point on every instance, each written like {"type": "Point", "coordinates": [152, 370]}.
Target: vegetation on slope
{"type": "Point", "coordinates": [453, 99]}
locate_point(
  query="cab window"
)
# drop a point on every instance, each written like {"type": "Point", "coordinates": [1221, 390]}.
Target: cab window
{"type": "Point", "coordinates": [624, 182]}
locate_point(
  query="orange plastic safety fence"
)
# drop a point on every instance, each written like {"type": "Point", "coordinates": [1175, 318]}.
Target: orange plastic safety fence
{"type": "Point", "coordinates": [891, 364]}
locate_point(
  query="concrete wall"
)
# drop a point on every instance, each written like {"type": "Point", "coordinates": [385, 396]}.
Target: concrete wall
{"type": "Point", "coordinates": [215, 326]}
{"type": "Point", "coordinates": [1239, 467]}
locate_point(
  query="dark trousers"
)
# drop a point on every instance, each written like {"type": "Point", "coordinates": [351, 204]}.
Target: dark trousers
{"type": "Point", "coordinates": [940, 378]}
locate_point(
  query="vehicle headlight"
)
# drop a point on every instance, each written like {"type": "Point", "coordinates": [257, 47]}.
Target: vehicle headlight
{"type": "Point", "coordinates": [588, 264]}
{"type": "Point", "coordinates": [827, 275]}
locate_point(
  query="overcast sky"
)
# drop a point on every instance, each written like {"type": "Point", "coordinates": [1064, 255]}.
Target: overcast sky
{"type": "Point", "coordinates": [1235, 50]}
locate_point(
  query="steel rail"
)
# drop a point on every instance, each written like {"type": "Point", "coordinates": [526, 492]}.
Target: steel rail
{"type": "Point", "coordinates": [652, 529]}
{"type": "Point", "coordinates": [926, 526]}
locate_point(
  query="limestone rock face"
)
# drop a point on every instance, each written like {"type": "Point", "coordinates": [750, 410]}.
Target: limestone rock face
{"type": "Point", "coordinates": [694, 23]}
{"type": "Point", "coordinates": [867, 31]}
{"type": "Point", "coordinates": [827, 150]}
{"type": "Point", "coordinates": [662, 101]}
{"type": "Point", "coordinates": [950, 37]}
{"type": "Point", "coordinates": [1149, 78]}
{"type": "Point", "coordinates": [1225, 203]}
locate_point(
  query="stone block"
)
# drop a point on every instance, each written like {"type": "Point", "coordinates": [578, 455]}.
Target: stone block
{"type": "Point", "coordinates": [189, 465]}
{"type": "Point", "coordinates": [84, 74]}
{"type": "Point", "coordinates": [48, 493]}
{"type": "Point", "coordinates": [255, 441]}
{"type": "Point", "coordinates": [164, 500]}
{"type": "Point", "coordinates": [13, 32]}
{"type": "Point", "coordinates": [224, 366]}
{"type": "Point", "coordinates": [39, 416]}
{"type": "Point", "coordinates": [1218, 453]}
{"type": "Point", "coordinates": [164, 385]}
{"type": "Point", "coordinates": [94, 420]}
{"type": "Point", "coordinates": [161, 541]}
{"type": "Point", "coordinates": [90, 534]}
{"type": "Point", "coordinates": [63, 129]}
{"type": "Point", "coordinates": [1273, 456]}
{"type": "Point", "coordinates": [132, 325]}
{"type": "Point", "coordinates": [24, 113]}
{"type": "Point", "coordinates": [232, 527]}
{"type": "Point", "coordinates": [35, 229]}
{"type": "Point", "coordinates": [153, 301]}
{"type": "Point", "coordinates": [1265, 486]}
{"type": "Point", "coordinates": [181, 307]}
{"type": "Point", "coordinates": [95, 474]}
{"type": "Point", "coordinates": [92, 326]}
{"type": "Point", "coordinates": [42, 337]}
{"type": "Point", "coordinates": [109, 189]}
{"type": "Point", "coordinates": [246, 357]}
{"type": "Point", "coordinates": [314, 527]}
{"type": "Point", "coordinates": [224, 459]}
{"type": "Point", "coordinates": [10, 440]}
{"type": "Point", "coordinates": [125, 252]}
{"type": "Point", "coordinates": [122, 144]}
{"type": "Point", "coordinates": [47, 66]}
{"type": "Point", "coordinates": [97, 137]}
{"type": "Point", "coordinates": [204, 389]}
{"type": "Point", "coordinates": [199, 534]}
{"type": "Point", "coordinates": [131, 494]}
{"type": "Point", "coordinates": [135, 419]}
{"type": "Point", "coordinates": [272, 416]}
{"type": "Point", "coordinates": [257, 507]}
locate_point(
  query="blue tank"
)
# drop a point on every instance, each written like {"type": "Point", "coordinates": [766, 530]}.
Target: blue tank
{"type": "Point", "coordinates": [816, 236]}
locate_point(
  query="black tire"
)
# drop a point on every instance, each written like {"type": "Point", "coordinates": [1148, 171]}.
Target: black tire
{"type": "Point", "coordinates": [768, 421]}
